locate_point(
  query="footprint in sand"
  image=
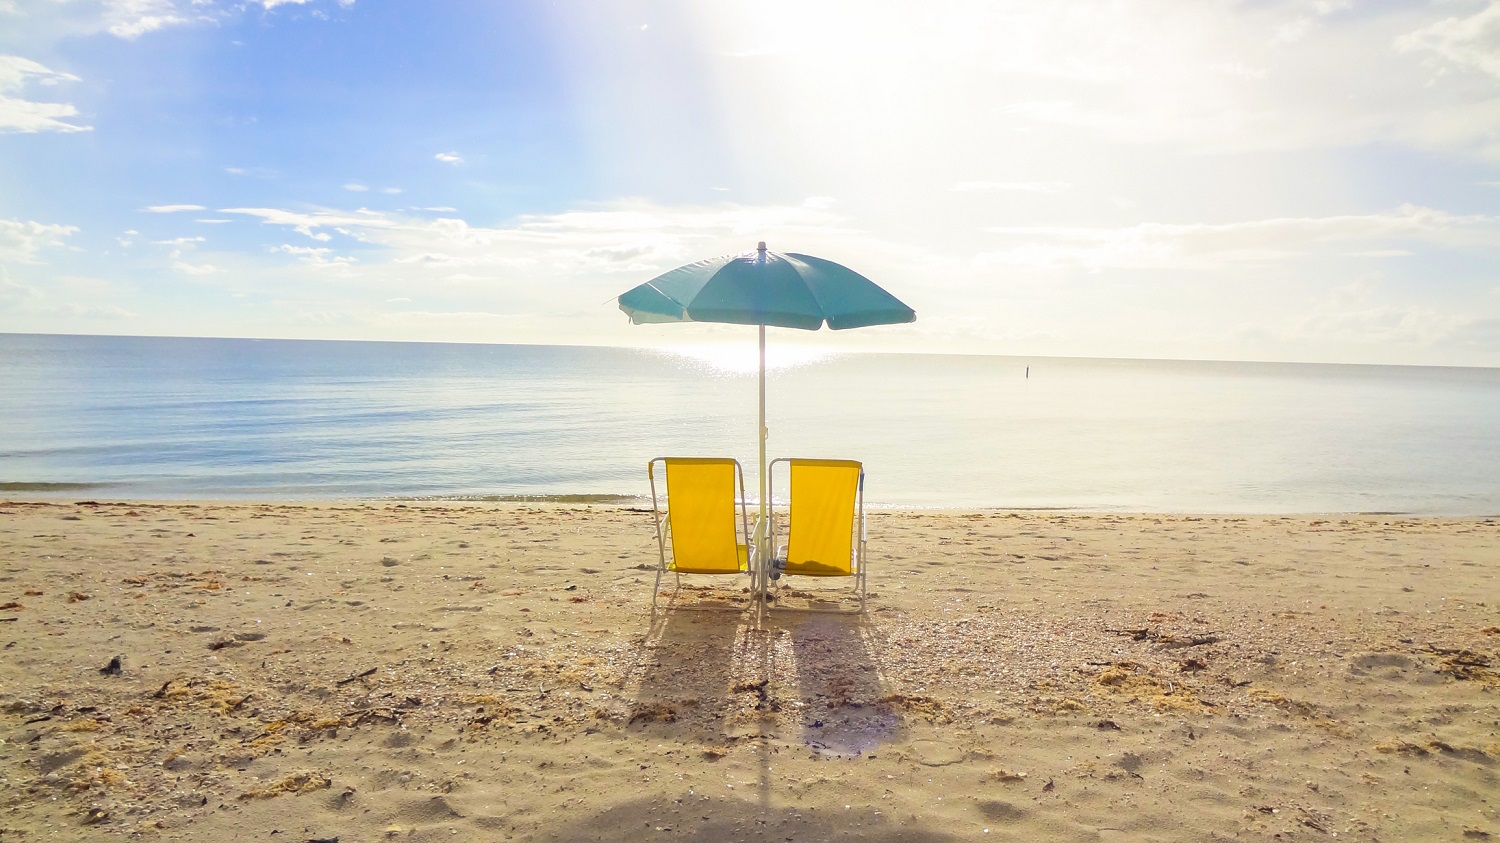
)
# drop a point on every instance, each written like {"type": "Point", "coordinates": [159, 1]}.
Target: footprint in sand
{"type": "Point", "coordinates": [1391, 667]}
{"type": "Point", "coordinates": [936, 753]}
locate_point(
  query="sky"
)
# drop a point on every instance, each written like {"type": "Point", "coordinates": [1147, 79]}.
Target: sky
{"type": "Point", "coordinates": [1309, 180]}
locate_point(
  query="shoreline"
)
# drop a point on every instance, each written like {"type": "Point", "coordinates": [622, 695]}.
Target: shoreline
{"type": "Point", "coordinates": [419, 670]}
{"type": "Point", "coordinates": [629, 502]}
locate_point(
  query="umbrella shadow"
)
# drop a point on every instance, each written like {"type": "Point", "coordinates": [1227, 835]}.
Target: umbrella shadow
{"type": "Point", "coordinates": [734, 820]}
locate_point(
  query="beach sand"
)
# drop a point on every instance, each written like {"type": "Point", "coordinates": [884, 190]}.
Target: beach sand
{"type": "Point", "coordinates": [379, 671]}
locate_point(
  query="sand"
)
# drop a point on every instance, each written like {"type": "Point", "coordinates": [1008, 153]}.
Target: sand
{"type": "Point", "coordinates": [379, 671]}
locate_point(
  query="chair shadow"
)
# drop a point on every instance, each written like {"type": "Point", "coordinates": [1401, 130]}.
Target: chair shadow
{"type": "Point", "coordinates": [684, 671]}
{"type": "Point", "coordinates": [843, 710]}
{"type": "Point", "coordinates": [717, 679]}
{"type": "Point", "coordinates": [702, 592]}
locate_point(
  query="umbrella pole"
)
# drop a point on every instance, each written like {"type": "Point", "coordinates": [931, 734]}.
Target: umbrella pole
{"type": "Point", "coordinates": [763, 550]}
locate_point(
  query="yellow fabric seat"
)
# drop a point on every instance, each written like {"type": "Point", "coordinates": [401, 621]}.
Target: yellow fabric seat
{"type": "Point", "coordinates": [705, 528]}
{"type": "Point", "coordinates": [826, 529]}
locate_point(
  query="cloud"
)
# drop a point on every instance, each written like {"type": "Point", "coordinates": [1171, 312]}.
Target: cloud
{"type": "Point", "coordinates": [1472, 42]}
{"type": "Point", "coordinates": [172, 209]}
{"type": "Point", "coordinates": [138, 26]}
{"type": "Point", "coordinates": [24, 116]}
{"type": "Point", "coordinates": [1018, 186]}
{"type": "Point", "coordinates": [322, 258]}
{"type": "Point", "coordinates": [130, 19]}
{"type": "Point", "coordinates": [356, 187]}
{"type": "Point", "coordinates": [449, 157]}
{"type": "Point", "coordinates": [21, 242]}
{"type": "Point", "coordinates": [49, 22]}
{"type": "Point", "coordinates": [1298, 28]}
{"type": "Point", "coordinates": [1200, 246]}
{"type": "Point", "coordinates": [1387, 325]}
{"type": "Point", "coordinates": [179, 241]}
{"type": "Point", "coordinates": [17, 294]}
{"type": "Point", "coordinates": [391, 190]}
{"type": "Point", "coordinates": [301, 251]}
{"type": "Point", "coordinates": [196, 269]}
{"type": "Point", "coordinates": [81, 298]}
{"type": "Point", "coordinates": [311, 224]}
{"type": "Point", "coordinates": [637, 219]}
{"type": "Point", "coordinates": [586, 246]}
{"type": "Point", "coordinates": [1038, 82]}
{"type": "Point", "coordinates": [271, 4]}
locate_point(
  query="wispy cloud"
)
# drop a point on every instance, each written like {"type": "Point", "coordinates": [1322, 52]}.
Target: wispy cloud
{"type": "Point", "coordinates": [322, 258]}
{"type": "Point", "coordinates": [24, 116]}
{"type": "Point", "coordinates": [1471, 42]}
{"type": "Point", "coordinates": [22, 242]}
{"type": "Point", "coordinates": [1202, 246]}
{"type": "Point", "coordinates": [196, 269]}
{"type": "Point", "coordinates": [449, 157]}
{"type": "Point", "coordinates": [130, 19]}
{"type": "Point", "coordinates": [30, 300]}
{"type": "Point", "coordinates": [16, 294]}
{"type": "Point", "coordinates": [311, 225]}
{"type": "Point", "coordinates": [1351, 318]}
{"type": "Point", "coordinates": [172, 209]}
{"type": "Point", "coordinates": [632, 236]}
{"type": "Point", "coordinates": [136, 27]}
{"type": "Point", "coordinates": [356, 187]}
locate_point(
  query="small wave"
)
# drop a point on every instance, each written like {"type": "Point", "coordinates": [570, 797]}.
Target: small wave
{"type": "Point", "coordinates": [582, 498]}
{"type": "Point", "coordinates": [50, 487]}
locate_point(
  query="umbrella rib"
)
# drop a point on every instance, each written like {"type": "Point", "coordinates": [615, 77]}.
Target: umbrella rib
{"type": "Point", "coordinates": [663, 294]}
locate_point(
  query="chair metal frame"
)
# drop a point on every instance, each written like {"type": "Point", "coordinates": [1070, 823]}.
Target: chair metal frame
{"type": "Point", "coordinates": [663, 523]}
{"type": "Point", "coordinates": [859, 561]}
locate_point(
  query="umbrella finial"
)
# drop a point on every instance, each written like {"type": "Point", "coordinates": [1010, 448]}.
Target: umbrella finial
{"type": "Point", "coordinates": [761, 246]}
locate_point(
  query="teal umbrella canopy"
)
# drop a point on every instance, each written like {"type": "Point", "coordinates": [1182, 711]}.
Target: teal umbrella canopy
{"type": "Point", "coordinates": [765, 288]}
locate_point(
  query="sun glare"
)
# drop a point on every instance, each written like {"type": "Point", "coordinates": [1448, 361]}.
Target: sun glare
{"type": "Point", "coordinates": [740, 359]}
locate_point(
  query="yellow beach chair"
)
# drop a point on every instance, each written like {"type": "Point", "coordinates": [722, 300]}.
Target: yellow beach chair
{"type": "Point", "coordinates": [705, 528]}
{"type": "Point", "coordinates": [826, 533]}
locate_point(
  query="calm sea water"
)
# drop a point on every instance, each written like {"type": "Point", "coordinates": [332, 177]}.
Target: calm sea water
{"type": "Point", "coordinates": [211, 418]}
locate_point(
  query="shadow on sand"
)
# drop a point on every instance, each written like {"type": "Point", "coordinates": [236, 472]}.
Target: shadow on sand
{"type": "Point", "coordinates": [843, 710]}
{"type": "Point", "coordinates": [686, 669]}
{"type": "Point", "coordinates": [696, 817]}
{"type": "Point", "coordinates": [800, 683]}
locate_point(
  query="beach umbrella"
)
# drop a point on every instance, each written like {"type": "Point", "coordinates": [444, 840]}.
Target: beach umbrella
{"type": "Point", "coordinates": [765, 288]}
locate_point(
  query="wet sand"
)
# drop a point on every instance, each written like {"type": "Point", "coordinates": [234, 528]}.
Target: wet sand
{"type": "Point", "coordinates": [438, 672]}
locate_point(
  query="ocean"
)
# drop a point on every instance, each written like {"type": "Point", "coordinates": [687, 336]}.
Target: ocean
{"type": "Point", "coordinates": [173, 418]}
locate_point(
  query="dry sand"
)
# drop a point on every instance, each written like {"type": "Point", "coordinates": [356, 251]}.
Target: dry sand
{"type": "Point", "coordinates": [453, 672]}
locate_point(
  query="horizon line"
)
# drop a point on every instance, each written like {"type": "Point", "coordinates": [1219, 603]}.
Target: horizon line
{"type": "Point", "coordinates": [831, 353]}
